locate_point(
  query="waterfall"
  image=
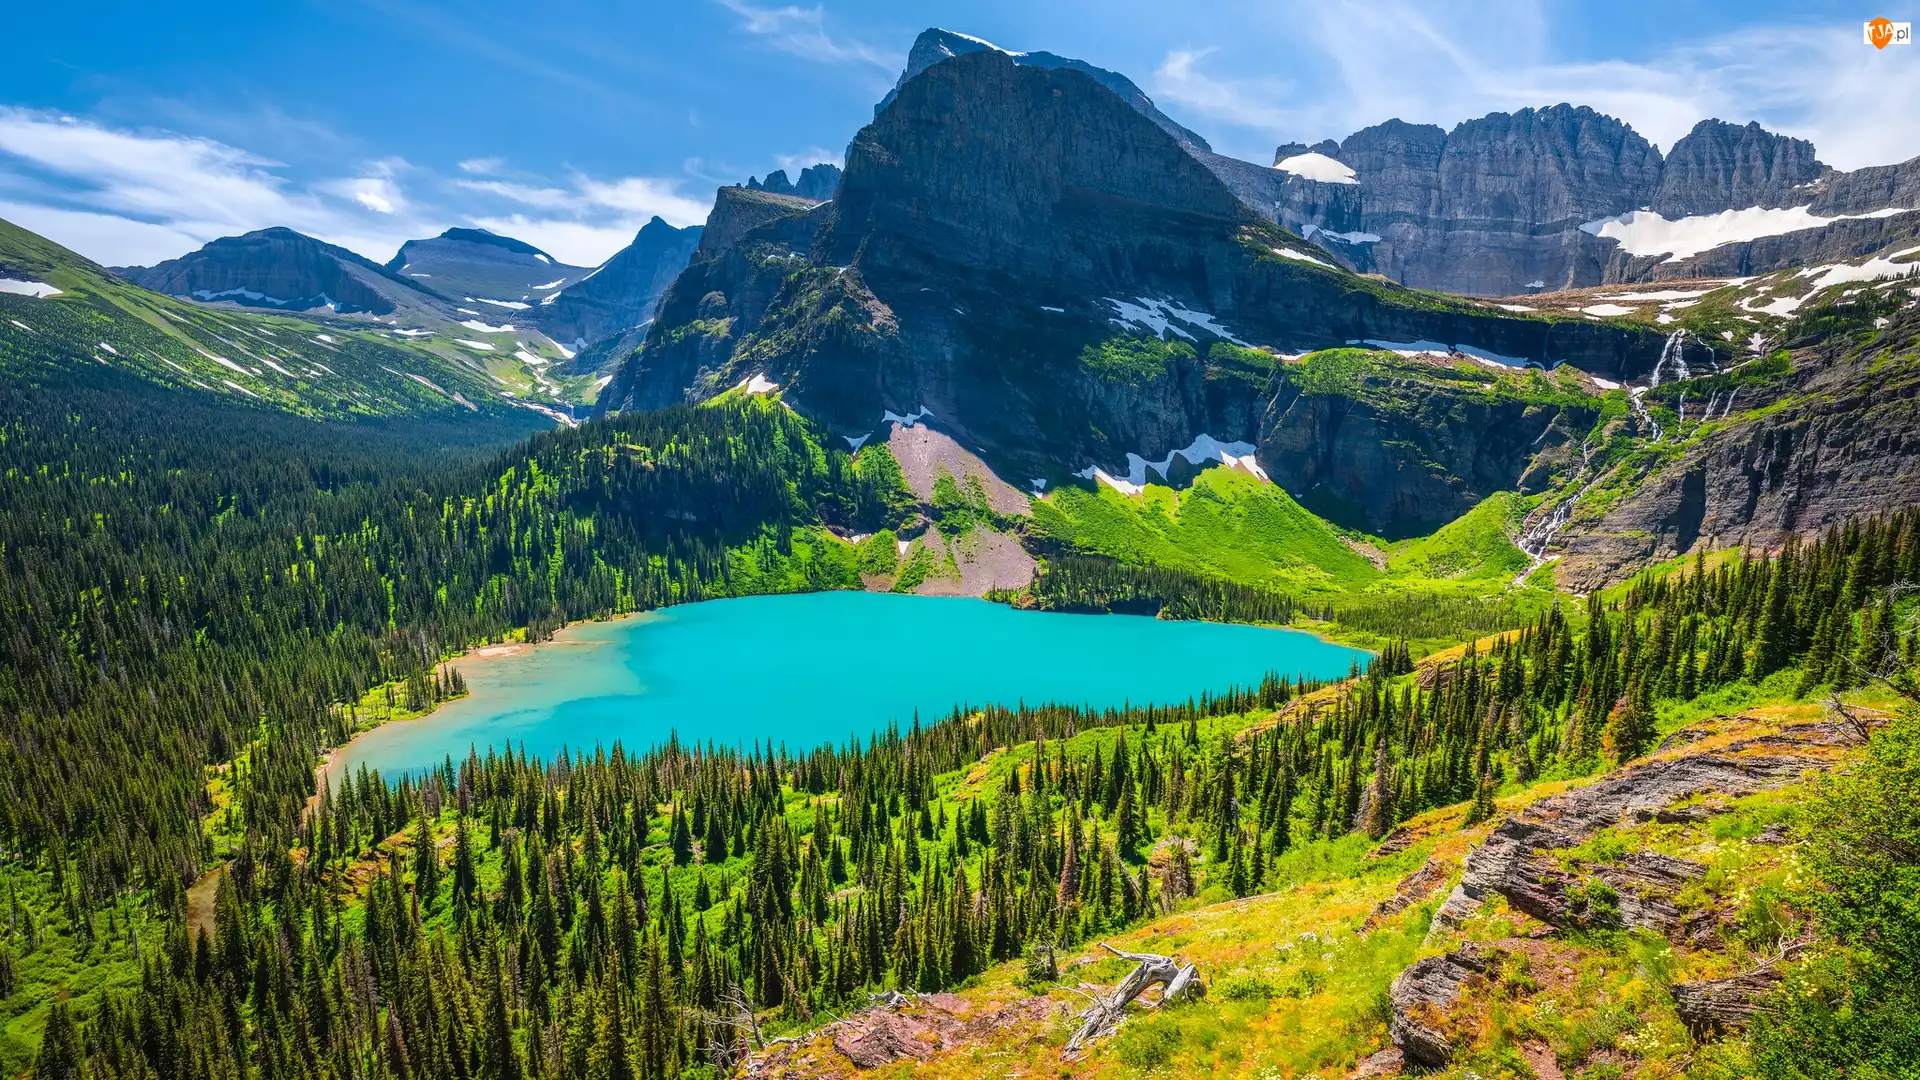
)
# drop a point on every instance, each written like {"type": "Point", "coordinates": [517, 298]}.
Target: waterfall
{"type": "Point", "coordinates": [1675, 350]}
{"type": "Point", "coordinates": [1728, 411]}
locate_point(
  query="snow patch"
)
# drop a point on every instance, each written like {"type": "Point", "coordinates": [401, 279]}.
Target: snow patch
{"type": "Point", "coordinates": [1203, 449]}
{"type": "Point", "coordinates": [479, 327]}
{"type": "Point", "coordinates": [554, 284]}
{"type": "Point", "coordinates": [510, 305]}
{"type": "Point", "coordinates": [1434, 348]}
{"type": "Point", "coordinates": [480, 345]}
{"type": "Point", "coordinates": [1876, 269]}
{"type": "Point", "coordinates": [238, 387]}
{"type": "Point", "coordinates": [1289, 253]}
{"type": "Point", "coordinates": [411, 333]}
{"type": "Point", "coordinates": [1055, 310]}
{"type": "Point", "coordinates": [759, 384]}
{"type": "Point", "coordinates": [1666, 294]}
{"type": "Point", "coordinates": [1609, 309]}
{"type": "Point", "coordinates": [855, 442]}
{"type": "Point", "coordinates": [280, 369]}
{"type": "Point", "coordinates": [912, 418]}
{"type": "Point", "coordinates": [1643, 232]}
{"type": "Point", "coordinates": [1159, 316]}
{"type": "Point", "coordinates": [1312, 231]}
{"type": "Point", "coordinates": [327, 339]}
{"type": "Point", "coordinates": [1318, 167]}
{"type": "Point", "coordinates": [37, 289]}
{"type": "Point", "coordinates": [1039, 483]}
{"type": "Point", "coordinates": [23, 326]}
{"type": "Point", "coordinates": [1536, 284]}
{"type": "Point", "coordinates": [1513, 307]}
{"type": "Point", "coordinates": [110, 350]}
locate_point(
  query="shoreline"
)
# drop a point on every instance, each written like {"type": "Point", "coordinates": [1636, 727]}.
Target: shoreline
{"type": "Point", "coordinates": [332, 762]}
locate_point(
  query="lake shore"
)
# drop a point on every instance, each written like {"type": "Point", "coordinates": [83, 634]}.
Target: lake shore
{"type": "Point", "coordinates": [332, 764]}
{"type": "Point", "coordinates": [994, 652]}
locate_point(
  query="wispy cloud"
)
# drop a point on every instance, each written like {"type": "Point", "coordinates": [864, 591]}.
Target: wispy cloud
{"type": "Point", "coordinates": [588, 220]}
{"type": "Point", "coordinates": [803, 33]}
{"type": "Point", "coordinates": [1359, 64]}
{"type": "Point", "coordinates": [75, 179]}
{"type": "Point", "coordinates": [482, 165]}
{"type": "Point", "coordinates": [126, 197]}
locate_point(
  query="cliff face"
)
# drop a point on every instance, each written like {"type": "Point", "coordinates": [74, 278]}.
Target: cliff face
{"type": "Point", "coordinates": [1720, 166]}
{"type": "Point", "coordinates": [1056, 278]}
{"type": "Point", "coordinates": [622, 292]}
{"type": "Point", "coordinates": [1837, 437]}
{"type": "Point", "coordinates": [1496, 206]}
{"type": "Point", "coordinates": [278, 268]}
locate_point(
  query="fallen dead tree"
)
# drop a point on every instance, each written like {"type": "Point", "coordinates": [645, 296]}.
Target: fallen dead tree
{"type": "Point", "coordinates": [1179, 981]}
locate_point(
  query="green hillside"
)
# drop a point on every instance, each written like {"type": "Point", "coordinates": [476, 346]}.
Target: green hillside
{"type": "Point", "coordinates": [325, 368]}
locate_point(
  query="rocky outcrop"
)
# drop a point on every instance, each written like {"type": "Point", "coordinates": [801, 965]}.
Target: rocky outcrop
{"type": "Point", "coordinates": [1837, 439]}
{"type": "Point", "coordinates": [466, 263]}
{"type": "Point", "coordinates": [1713, 1006]}
{"type": "Point", "coordinates": [282, 269]}
{"type": "Point", "coordinates": [817, 183]}
{"type": "Point", "coordinates": [1509, 862]}
{"type": "Point", "coordinates": [1422, 995]}
{"type": "Point", "coordinates": [622, 292]}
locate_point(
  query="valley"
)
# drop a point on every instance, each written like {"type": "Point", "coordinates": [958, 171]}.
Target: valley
{"type": "Point", "coordinates": [1455, 589]}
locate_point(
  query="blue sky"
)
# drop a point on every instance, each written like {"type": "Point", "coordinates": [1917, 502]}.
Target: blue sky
{"type": "Point", "coordinates": [145, 129]}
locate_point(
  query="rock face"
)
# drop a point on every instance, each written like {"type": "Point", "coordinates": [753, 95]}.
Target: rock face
{"type": "Point", "coordinates": [1395, 458]}
{"type": "Point", "coordinates": [1848, 446]}
{"type": "Point", "coordinates": [622, 292]}
{"type": "Point", "coordinates": [1495, 206]}
{"type": "Point", "coordinates": [1061, 281]}
{"type": "Point", "coordinates": [1717, 1005]}
{"type": "Point", "coordinates": [279, 268]}
{"type": "Point", "coordinates": [1508, 862]}
{"type": "Point", "coordinates": [1423, 993]}
{"type": "Point", "coordinates": [935, 45]}
{"type": "Point", "coordinates": [460, 264]}
{"type": "Point", "coordinates": [817, 182]}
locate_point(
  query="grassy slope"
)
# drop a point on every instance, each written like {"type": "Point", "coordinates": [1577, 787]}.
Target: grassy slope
{"type": "Point", "coordinates": [1227, 523]}
{"type": "Point", "coordinates": [1298, 978]}
{"type": "Point", "coordinates": [325, 368]}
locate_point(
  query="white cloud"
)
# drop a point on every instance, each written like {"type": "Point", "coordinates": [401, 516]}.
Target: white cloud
{"type": "Point", "coordinates": [124, 197]}
{"type": "Point", "coordinates": [482, 165]}
{"type": "Point", "coordinates": [587, 222]}
{"type": "Point", "coordinates": [1353, 65]}
{"type": "Point", "coordinates": [803, 33]}
{"type": "Point", "coordinates": [138, 197]}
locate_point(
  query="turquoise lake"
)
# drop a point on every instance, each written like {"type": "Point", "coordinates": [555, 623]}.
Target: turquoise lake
{"type": "Point", "coordinates": [816, 668]}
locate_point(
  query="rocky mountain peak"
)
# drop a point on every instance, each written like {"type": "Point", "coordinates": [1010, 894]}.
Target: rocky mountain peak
{"type": "Point", "coordinates": [934, 45]}
{"type": "Point", "coordinates": [816, 182]}
{"type": "Point", "coordinates": [1720, 166]}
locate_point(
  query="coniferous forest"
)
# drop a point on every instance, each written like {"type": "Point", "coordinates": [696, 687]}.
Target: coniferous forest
{"type": "Point", "coordinates": [175, 603]}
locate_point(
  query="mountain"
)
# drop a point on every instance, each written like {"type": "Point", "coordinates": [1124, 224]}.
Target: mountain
{"type": "Point", "coordinates": [65, 320]}
{"type": "Point", "coordinates": [474, 265]}
{"type": "Point", "coordinates": [1019, 250]}
{"type": "Point", "coordinates": [280, 268]}
{"type": "Point", "coordinates": [1565, 197]}
{"type": "Point", "coordinates": [935, 45]}
{"type": "Point", "coordinates": [817, 182]}
{"type": "Point", "coordinates": [621, 292]}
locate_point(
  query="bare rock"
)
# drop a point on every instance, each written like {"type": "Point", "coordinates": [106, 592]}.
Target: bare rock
{"type": "Point", "coordinates": [1421, 995]}
{"type": "Point", "coordinates": [1507, 864]}
{"type": "Point", "coordinates": [1718, 1005]}
{"type": "Point", "coordinates": [1388, 1062]}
